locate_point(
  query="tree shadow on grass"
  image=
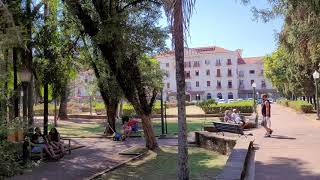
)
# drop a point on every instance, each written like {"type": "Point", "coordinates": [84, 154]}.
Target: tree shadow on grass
{"type": "Point", "coordinates": [284, 168]}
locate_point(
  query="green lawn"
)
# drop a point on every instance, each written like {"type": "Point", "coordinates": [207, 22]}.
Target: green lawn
{"type": "Point", "coordinates": [162, 165]}
{"type": "Point", "coordinates": [95, 129]}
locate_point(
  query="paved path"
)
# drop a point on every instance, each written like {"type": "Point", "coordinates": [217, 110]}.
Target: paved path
{"type": "Point", "coordinates": [98, 155]}
{"type": "Point", "coordinates": [293, 153]}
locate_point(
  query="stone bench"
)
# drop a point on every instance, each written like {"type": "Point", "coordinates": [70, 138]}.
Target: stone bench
{"type": "Point", "coordinates": [215, 142]}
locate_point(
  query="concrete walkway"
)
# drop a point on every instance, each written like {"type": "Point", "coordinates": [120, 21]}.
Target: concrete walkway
{"type": "Point", "coordinates": [98, 155]}
{"type": "Point", "coordinates": [293, 152]}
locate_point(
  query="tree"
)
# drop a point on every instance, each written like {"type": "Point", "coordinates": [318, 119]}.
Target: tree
{"type": "Point", "coordinates": [124, 33]}
{"type": "Point", "coordinates": [179, 12]}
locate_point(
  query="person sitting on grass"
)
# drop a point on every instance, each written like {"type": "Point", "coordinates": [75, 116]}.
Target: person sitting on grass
{"type": "Point", "coordinates": [54, 138]}
{"type": "Point", "coordinates": [39, 144]}
{"type": "Point", "coordinates": [129, 126]}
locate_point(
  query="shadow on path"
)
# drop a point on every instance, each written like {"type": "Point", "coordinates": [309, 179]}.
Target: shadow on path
{"type": "Point", "coordinates": [275, 136]}
{"type": "Point", "coordinates": [280, 167]}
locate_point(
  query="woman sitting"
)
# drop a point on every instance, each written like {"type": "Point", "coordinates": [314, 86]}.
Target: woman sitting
{"type": "Point", "coordinates": [39, 144]}
{"type": "Point", "coordinates": [129, 126]}
{"type": "Point", "coordinates": [235, 116]}
{"type": "Point", "coordinates": [227, 117]}
{"type": "Point", "coordinates": [54, 138]}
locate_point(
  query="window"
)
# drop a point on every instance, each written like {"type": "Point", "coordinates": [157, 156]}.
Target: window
{"type": "Point", "coordinates": [167, 64]}
{"type": "Point", "coordinates": [261, 72]}
{"type": "Point", "coordinates": [208, 72]}
{"type": "Point", "coordinates": [252, 81]}
{"type": "Point", "coordinates": [208, 83]}
{"type": "Point", "coordinates": [218, 62]}
{"type": "Point", "coordinates": [241, 73]}
{"type": "Point", "coordinates": [229, 72]}
{"type": "Point", "coordinates": [168, 85]}
{"type": "Point", "coordinates": [167, 74]}
{"type": "Point", "coordinates": [218, 84]}
{"type": "Point", "coordinates": [229, 62]}
{"type": "Point", "coordinates": [218, 73]}
{"type": "Point", "coordinates": [196, 64]}
{"type": "Point", "coordinates": [219, 96]}
{"type": "Point", "coordinates": [251, 71]}
{"type": "Point", "coordinates": [229, 84]}
{"type": "Point", "coordinates": [187, 74]}
{"type": "Point", "coordinates": [188, 86]}
{"type": "Point", "coordinates": [207, 62]}
{"type": "Point", "coordinates": [197, 84]}
{"type": "Point", "coordinates": [197, 72]}
{"type": "Point", "coordinates": [241, 84]}
{"type": "Point", "coordinates": [263, 84]}
{"type": "Point", "coordinates": [187, 64]}
{"type": "Point", "coordinates": [230, 95]}
{"type": "Point", "coordinates": [209, 96]}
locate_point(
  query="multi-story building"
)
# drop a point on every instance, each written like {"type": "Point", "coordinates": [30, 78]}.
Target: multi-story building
{"type": "Point", "coordinates": [215, 72]}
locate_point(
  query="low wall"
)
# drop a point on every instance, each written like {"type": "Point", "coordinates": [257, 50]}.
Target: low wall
{"type": "Point", "coordinates": [215, 142]}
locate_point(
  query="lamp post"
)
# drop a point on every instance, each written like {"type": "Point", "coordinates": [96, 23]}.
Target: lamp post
{"type": "Point", "coordinates": [162, 119]}
{"type": "Point", "coordinates": [254, 85]}
{"type": "Point", "coordinates": [316, 77]}
{"type": "Point", "coordinates": [25, 77]}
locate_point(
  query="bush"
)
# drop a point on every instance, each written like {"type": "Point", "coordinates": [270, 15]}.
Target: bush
{"type": "Point", "coordinates": [283, 102]}
{"type": "Point", "coordinates": [9, 154]}
{"type": "Point", "coordinates": [242, 106]}
{"type": "Point", "coordinates": [302, 106]}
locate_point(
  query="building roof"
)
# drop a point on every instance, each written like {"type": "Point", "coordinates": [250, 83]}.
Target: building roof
{"type": "Point", "coordinates": [199, 50]}
{"type": "Point", "coordinates": [250, 60]}
{"type": "Point", "coordinates": [216, 49]}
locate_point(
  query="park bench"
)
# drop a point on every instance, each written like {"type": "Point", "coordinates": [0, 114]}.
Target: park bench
{"type": "Point", "coordinates": [228, 127]}
{"type": "Point", "coordinates": [42, 155]}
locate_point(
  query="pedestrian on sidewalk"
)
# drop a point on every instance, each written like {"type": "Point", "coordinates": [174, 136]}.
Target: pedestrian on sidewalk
{"type": "Point", "coordinates": [266, 113]}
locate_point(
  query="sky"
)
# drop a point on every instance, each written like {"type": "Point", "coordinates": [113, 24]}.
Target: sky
{"type": "Point", "coordinates": [231, 25]}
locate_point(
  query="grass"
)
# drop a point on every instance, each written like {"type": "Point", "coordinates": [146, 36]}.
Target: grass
{"type": "Point", "coordinates": [162, 164]}
{"type": "Point", "coordinates": [95, 128]}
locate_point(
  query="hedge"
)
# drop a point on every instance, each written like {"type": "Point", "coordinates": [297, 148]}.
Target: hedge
{"type": "Point", "coordinates": [299, 105]}
{"type": "Point", "coordinates": [242, 106]}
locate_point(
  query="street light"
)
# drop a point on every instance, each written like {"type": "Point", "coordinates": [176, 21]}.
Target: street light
{"type": "Point", "coordinates": [316, 77]}
{"type": "Point", "coordinates": [254, 85]}
{"type": "Point", "coordinates": [25, 77]}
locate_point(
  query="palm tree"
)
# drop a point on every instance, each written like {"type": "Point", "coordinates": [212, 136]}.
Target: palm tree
{"type": "Point", "coordinates": [179, 12]}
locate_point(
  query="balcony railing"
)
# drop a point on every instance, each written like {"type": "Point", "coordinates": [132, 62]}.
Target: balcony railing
{"type": "Point", "coordinates": [241, 75]}
{"type": "Point", "coordinates": [219, 87]}
{"type": "Point", "coordinates": [188, 88]}
{"type": "Point", "coordinates": [218, 75]}
{"type": "Point", "coordinates": [263, 86]}
{"type": "Point", "coordinates": [241, 86]}
{"type": "Point", "coordinates": [230, 86]}
{"type": "Point", "coordinates": [229, 74]}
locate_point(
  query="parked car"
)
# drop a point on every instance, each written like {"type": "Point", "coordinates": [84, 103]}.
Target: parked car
{"type": "Point", "coordinates": [239, 99]}
{"type": "Point", "coordinates": [221, 101]}
{"type": "Point", "coordinates": [270, 100]}
{"type": "Point", "coordinates": [259, 100]}
{"type": "Point", "coordinates": [230, 100]}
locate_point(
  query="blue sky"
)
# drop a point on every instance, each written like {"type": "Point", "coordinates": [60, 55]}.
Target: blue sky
{"type": "Point", "coordinates": [231, 25]}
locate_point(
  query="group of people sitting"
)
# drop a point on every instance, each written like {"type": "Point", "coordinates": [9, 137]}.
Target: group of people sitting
{"type": "Point", "coordinates": [129, 126]}
{"type": "Point", "coordinates": [234, 117]}
{"type": "Point", "coordinates": [47, 144]}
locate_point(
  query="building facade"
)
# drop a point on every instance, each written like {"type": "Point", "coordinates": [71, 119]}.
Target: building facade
{"type": "Point", "coordinates": [215, 73]}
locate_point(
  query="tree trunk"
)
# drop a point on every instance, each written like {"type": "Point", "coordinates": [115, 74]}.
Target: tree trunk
{"type": "Point", "coordinates": [151, 142]}
{"type": "Point", "coordinates": [183, 170]}
{"type": "Point", "coordinates": [63, 108]}
{"type": "Point", "coordinates": [111, 108]}
{"type": "Point", "coordinates": [15, 82]}
{"type": "Point", "coordinates": [45, 108]}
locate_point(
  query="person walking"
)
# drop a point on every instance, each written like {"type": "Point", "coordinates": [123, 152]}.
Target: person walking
{"type": "Point", "coordinates": [266, 114]}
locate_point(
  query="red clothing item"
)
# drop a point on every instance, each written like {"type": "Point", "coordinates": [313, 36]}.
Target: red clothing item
{"type": "Point", "coordinates": [131, 123]}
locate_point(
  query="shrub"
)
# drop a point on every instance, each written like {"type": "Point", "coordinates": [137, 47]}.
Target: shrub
{"type": "Point", "coordinates": [302, 106]}
{"type": "Point", "coordinates": [242, 106]}
{"type": "Point", "coordinates": [283, 102]}
{"type": "Point", "coordinates": [9, 154]}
